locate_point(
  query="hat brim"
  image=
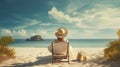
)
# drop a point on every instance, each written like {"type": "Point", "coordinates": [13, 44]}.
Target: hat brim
{"type": "Point", "coordinates": [61, 32]}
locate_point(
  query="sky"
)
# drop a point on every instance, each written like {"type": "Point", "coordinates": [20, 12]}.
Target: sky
{"type": "Point", "coordinates": [84, 19]}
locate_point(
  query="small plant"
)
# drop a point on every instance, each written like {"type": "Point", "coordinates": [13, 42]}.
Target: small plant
{"type": "Point", "coordinates": [113, 51]}
{"type": "Point", "coordinates": [5, 51]}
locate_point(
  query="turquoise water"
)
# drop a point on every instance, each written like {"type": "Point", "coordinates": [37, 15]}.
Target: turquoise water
{"type": "Point", "coordinates": [73, 42]}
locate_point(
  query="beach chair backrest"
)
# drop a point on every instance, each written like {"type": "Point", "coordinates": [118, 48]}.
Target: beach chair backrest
{"type": "Point", "coordinates": [60, 48]}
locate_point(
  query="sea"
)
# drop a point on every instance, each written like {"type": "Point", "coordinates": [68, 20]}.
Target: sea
{"type": "Point", "coordinates": [75, 43]}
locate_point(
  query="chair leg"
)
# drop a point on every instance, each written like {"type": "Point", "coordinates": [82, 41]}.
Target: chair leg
{"type": "Point", "coordinates": [52, 60]}
{"type": "Point", "coordinates": [68, 61]}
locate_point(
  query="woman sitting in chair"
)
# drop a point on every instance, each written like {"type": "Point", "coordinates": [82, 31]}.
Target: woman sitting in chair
{"type": "Point", "coordinates": [60, 46]}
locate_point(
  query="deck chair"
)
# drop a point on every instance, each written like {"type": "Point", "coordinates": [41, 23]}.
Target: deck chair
{"type": "Point", "coordinates": [60, 50]}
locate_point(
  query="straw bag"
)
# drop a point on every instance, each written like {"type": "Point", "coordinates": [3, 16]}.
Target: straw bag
{"type": "Point", "coordinates": [81, 56]}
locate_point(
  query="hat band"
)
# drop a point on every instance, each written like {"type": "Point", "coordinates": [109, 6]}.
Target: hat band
{"type": "Point", "coordinates": [60, 36]}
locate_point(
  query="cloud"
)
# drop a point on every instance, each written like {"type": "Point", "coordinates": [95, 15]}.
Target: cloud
{"type": "Point", "coordinates": [45, 24]}
{"type": "Point", "coordinates": [5, 32]}
{"type": "Point", "coordinates": [73, 6]}
{"type": "Point", "coordinates": [102, 19]}
{"type": "Point", "coordinates": [40, 32]}
{"type": "Point", "coordinates": [83, 33]}
{"type": "Point", "coordinates": [60, 16]}
{"type": "Point", "coordinates": [15, 33]}
{"type": "Point", "coordinates": [75, 13]}
{"type": "Point", "coordinates": [20, 32]}
{"type": "Point", "coordinates": [28, 22]}
{"type": "Point", "coordinates": [44, 33]}
{"type": "Point", "coordinates": [23, 33]}
{"type": "Point", "coordinates": [92, 21]}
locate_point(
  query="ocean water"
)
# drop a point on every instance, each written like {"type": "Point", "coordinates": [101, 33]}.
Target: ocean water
{"type": "Point", "coordinates": [73, 42]}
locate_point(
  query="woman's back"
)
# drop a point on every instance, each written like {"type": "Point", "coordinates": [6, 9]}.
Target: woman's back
{"type": "Point", "coordinates": [60, 47]}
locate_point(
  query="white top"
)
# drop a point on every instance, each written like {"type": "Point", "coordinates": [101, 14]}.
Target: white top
{"type": "Point", "coordinates": [60, 47]}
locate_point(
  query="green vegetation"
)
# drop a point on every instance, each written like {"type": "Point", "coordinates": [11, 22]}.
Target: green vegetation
{"type": "Point", "coordinates": [5, 51]}
{"type": "Point", "coordinates": [113, 51]}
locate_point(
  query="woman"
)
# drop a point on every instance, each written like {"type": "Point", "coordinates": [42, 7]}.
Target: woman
{"type": "Point", "coordinates": [60, 48]}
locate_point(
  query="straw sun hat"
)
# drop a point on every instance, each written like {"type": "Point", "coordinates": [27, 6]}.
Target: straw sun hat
{"type": "Point", "coordinates": [61, 32]}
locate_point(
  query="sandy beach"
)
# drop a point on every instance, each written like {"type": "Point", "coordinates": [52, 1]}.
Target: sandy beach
{"type": "Point", "coordinates": [41, 57]}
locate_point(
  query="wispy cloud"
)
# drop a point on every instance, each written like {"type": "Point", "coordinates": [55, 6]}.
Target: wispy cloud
{"type": "Point", "coordinates": [46, 24]}
{"type": "Point", "coordinates": [28, 23]}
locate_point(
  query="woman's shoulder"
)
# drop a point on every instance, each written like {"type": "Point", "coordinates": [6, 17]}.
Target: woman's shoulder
{"type": "Point", "coordinates": [56, 40]}
{"type": "Point", "coordinates": [66, 40]}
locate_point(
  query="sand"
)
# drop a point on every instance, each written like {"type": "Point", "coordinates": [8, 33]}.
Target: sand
{"type": "Point", "coordinates": [41, 57]}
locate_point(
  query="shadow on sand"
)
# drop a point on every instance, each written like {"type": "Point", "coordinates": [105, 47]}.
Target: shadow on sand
{"type": "Point", "coordinates": [47, 59]}
{"type": "Point", "coordinates": [40, 61]}
{"type": "Point", "coordinates": [105, 63]}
